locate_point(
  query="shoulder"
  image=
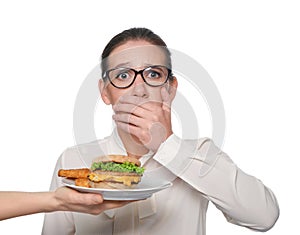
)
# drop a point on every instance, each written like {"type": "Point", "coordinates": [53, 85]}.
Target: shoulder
{"type": "Point", "coordinates": [175, 141]}
{"type": "Point", "coordinates": [182, 148]}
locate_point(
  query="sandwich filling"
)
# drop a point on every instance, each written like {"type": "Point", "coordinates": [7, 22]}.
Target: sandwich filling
{"type": "Point", "coordinates": [125, 179]}
{"type": "Point", "coordinates": [126, 167]}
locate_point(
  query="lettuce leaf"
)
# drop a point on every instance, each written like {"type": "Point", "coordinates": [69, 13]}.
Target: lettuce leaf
{"type": "Point", "coordinates": [118, 167]}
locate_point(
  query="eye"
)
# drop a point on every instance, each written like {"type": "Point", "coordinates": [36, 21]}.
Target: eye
{"type": "Point", "coordinates": [122, 76]}
{"type": "Point", "coordinates": [153, 74]}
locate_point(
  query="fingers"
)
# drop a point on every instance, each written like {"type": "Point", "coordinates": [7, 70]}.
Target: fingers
{"type": "Point", "coordinates": [141, 133]}
{"type": "Point", "coordinates": [129, 119]}
{"type": "Point", "coordinates": [146, 104]}
{"type": "Point", "coordinates": [67, 199]}
{"type": "Point", "coordinates": [78, 198]}
{"type": "Point", "coordinates": [107, 205]}
{"type": "Point", "coordinates": [135, 101]}
{"type": "Point", "coordinates": [138, 126]}
{"type": "Point", "coordinates": [132, 109]}
{"type": "Point", "coordinates": [148, 120]}
{"type": "Point", "coordinates": [90, 198]}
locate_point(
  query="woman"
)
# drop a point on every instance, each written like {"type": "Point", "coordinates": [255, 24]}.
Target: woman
{"type": "Point", "coordinates": [139, 84]}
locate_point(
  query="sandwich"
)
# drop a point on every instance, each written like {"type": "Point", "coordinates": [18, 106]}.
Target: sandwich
{"type": "Point", "coordinates": [110, 171]}
{"type": "Point", "coordinates": [115, 171]}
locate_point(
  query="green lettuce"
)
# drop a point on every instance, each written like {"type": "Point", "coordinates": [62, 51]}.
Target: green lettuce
{"type": "Point", "coordinates": [118, 167]}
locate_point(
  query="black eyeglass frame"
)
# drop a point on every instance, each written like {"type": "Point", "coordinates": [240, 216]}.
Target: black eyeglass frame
{"type": "Point", "coordinates": [105, 75]}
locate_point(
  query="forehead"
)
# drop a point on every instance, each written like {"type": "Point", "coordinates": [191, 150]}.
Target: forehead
{"type": "Point", "coordinates": [136, 54]}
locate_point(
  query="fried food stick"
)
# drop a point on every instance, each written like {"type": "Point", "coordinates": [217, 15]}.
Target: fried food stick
{"type": "Point", "coordinates": [82, 182]}
{"type": "Point", "coordinates": [74, 173]}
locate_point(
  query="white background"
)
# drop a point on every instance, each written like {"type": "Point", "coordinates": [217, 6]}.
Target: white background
{"type": "Point", "coordinates": [250, 49]}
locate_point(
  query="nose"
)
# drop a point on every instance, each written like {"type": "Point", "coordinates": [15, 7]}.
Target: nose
{"type": "Point", "coordinates": [139, 87]}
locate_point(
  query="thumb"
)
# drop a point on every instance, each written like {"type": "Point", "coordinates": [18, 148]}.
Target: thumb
{"type": "Point", "coordinates": [91, 199]}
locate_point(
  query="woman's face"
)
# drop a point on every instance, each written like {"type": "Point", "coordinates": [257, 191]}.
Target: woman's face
{"type": "Point", "coordinates": [136, 55]}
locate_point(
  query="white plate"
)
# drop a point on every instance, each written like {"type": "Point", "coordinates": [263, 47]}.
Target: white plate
{"type": "Point", "coordinates": [142, 190]}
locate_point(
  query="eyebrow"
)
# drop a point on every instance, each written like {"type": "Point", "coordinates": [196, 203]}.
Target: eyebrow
{"type": "Point", "coordinates": [122, 65]}
{"type": "Point", "coordinates": [128, 64]}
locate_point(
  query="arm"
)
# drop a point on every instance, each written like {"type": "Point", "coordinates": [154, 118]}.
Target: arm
{"type": "Point", "coordinates": [242, 198]}
{"type": "Point", "coordinates": [62, 222]}
{"type": "Point", "coordinates": [15, 204]}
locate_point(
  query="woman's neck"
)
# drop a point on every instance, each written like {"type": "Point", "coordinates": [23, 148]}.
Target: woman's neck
{"type": "Point", "coordinates": [132, 145]}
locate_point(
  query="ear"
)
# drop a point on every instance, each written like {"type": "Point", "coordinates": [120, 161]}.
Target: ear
{"type": "Point", "coordinates": [103, 91]}
{"type": "Point", "coordinates": [172, 88]}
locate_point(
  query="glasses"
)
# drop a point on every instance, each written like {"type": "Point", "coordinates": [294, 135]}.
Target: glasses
{"type": "Point", "coordinates": [155, 76]}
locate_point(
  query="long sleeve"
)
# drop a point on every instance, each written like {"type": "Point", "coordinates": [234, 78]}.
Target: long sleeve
{"type": "Point", "coordinates": [243, 199]}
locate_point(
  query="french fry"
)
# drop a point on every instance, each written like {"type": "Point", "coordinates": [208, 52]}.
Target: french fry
{"type": "Point", "coordinates": [74, 173]}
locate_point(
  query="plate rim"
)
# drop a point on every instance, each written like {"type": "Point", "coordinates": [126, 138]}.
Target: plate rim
{"type": "Point", "coordinates": [165, 185]}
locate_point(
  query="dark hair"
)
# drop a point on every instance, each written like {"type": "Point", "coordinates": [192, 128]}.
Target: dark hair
{"type": "Point", "coordinates": [134, 34]}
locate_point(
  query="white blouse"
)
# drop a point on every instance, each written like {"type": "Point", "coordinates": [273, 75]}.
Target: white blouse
{"type": "Point", "coordinates": [200, 173]}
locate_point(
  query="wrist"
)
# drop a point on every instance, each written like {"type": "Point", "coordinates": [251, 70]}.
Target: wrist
{"type": "Point", "coordinates": [54, 204]}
